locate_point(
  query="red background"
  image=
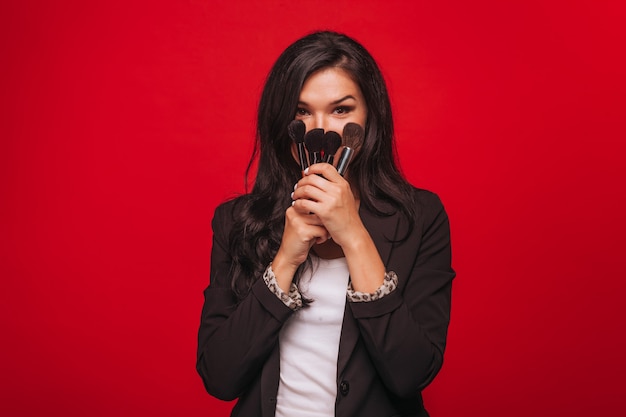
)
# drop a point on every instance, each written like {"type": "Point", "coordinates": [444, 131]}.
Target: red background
{"type": "Point", "coordinates": [125, 123]}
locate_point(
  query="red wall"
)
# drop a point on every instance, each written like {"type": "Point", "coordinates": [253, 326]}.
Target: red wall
{"type": "Point", "coordinates": [124, 125]}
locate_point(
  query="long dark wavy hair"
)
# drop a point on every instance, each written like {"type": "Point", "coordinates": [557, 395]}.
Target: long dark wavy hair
{"type": "Point", "coordinates": [259, 216]}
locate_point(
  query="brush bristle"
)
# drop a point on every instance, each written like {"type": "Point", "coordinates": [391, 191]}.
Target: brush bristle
{"type": "Point", "coordinates": [314, 140]}
{"type": "Point", "coordinates": [296, 129]}
{"type": "Point", "coordinates": [332, 142]}
{"type": "Point", "coordinates": [353, 135]}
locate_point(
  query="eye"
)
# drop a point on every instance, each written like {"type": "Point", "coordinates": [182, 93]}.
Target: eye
{"type": "Point", "coordinates": [302, 112]}
{"type": "Point", "coordinates": [343, 110]}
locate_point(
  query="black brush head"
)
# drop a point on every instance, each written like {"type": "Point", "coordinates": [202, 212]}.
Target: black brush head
{"type": "Point", "coordinates": [353, 135]}
{"type": "Point", "coordinates": [332, 142]}
{"type": "Point", "coordinates": [314, 140]}
{"type": "Point", "coordinates": [296, 129]}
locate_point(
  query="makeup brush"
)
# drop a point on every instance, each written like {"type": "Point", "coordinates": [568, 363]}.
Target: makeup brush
{"type": "Point", "coordinates": [296, 129]}
{"type": "Point", "coordinates": [353, 135]}
{"type": "Point", "coordinates": [332, 142]}
{"type": "Point", "coordinates": [314, 142]}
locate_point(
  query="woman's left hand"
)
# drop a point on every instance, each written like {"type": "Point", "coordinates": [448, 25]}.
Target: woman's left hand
{"type": "Point", "coordinates": [329, 196]}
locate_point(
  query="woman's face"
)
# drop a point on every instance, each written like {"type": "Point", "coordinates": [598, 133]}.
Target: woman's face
{"type": "Point", "coordinates": [329, 99]}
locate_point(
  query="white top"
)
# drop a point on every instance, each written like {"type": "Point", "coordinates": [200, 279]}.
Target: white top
{"type": "Point", "coordinates": [309, 343]}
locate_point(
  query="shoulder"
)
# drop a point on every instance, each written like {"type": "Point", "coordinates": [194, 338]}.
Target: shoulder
{"type": "Point", "coordinates": [427, 203]}
{"type": "Point", "coordinates": [432, 221]}
{"type": "Point", "coordinates": [225, 208]}
{"type": "Point", "coordinates": [426, 198]}
{"type": "Point", "coordinates": [224, 215]}
{"type": "Point", "coordinates": [430, 215]}
{"type": "Point", "coordinates": [230, 207]}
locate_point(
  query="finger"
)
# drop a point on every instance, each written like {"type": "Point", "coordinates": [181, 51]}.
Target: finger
{"type": "Point", "coordinates": [326, 170]}
{"type": "Point", "coordinates": [307, 208]}
{"type": "Point", "coordinates": [322, 239]}
{"type": "Point", "coordinates": [321, 234]}
{"type": "Point", "coordinates": [309, 192]}
{"type": "Point", "coordinates": [313, 181]}
{"type": "Point", "coordinates": [296, 214]}
{"type": "Point", "coordinates": [307, 227]}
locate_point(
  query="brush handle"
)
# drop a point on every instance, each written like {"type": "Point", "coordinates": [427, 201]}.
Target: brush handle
{"type": "Point", "coordinates": [304, 164]}
{"type": "Point", "coordinates": [344, 160]}
{"type": "Point", "coordinates": [315, 157]}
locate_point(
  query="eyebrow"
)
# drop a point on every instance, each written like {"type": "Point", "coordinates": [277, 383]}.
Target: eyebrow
{"type": "Point", "coordinates": [334, 102]}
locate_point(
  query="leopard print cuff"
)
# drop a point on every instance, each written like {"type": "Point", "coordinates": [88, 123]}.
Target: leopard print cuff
{"type": "Point", "coordinates": [293, 300]}
{"type": "Point", "coordinates": [389, 284]}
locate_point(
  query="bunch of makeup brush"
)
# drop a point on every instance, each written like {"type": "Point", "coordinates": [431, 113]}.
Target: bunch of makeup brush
{"type": "Point", "coordinates": [318, 146]}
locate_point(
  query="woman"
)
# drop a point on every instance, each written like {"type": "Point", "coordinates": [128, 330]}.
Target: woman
{"type": "Point", "coordinates": [329, 295]}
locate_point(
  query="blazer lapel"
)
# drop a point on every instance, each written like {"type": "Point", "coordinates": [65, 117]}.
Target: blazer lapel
{"type": "Point", "coordinates": [383, 231]}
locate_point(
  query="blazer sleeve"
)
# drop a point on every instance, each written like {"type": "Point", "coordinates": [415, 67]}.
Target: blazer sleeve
{"type": "Point", "coordinates": [405, 331]}
{"type": "Point", "coordinates": [235, 338]}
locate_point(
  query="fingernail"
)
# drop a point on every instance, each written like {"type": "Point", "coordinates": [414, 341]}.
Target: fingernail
{"type": "Point", "coordinates": [295, 186]}
{"type": "Point", "coordinates": [291, 196]}
{"type": "Point", "coordinates": [292, 203]}
{"type": "Point", "coordinates": [306, 171]}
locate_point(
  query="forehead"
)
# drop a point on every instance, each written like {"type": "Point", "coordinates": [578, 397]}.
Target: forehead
{"type": "Point", "coordinates": [331, 81]}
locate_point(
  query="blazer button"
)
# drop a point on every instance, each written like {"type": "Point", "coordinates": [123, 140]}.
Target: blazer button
{"type": "Point", "coordinates": [344, 387]}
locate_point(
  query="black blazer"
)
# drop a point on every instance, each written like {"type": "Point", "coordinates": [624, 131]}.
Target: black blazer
{"type": "Point", "coordinates": [390, 349]}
